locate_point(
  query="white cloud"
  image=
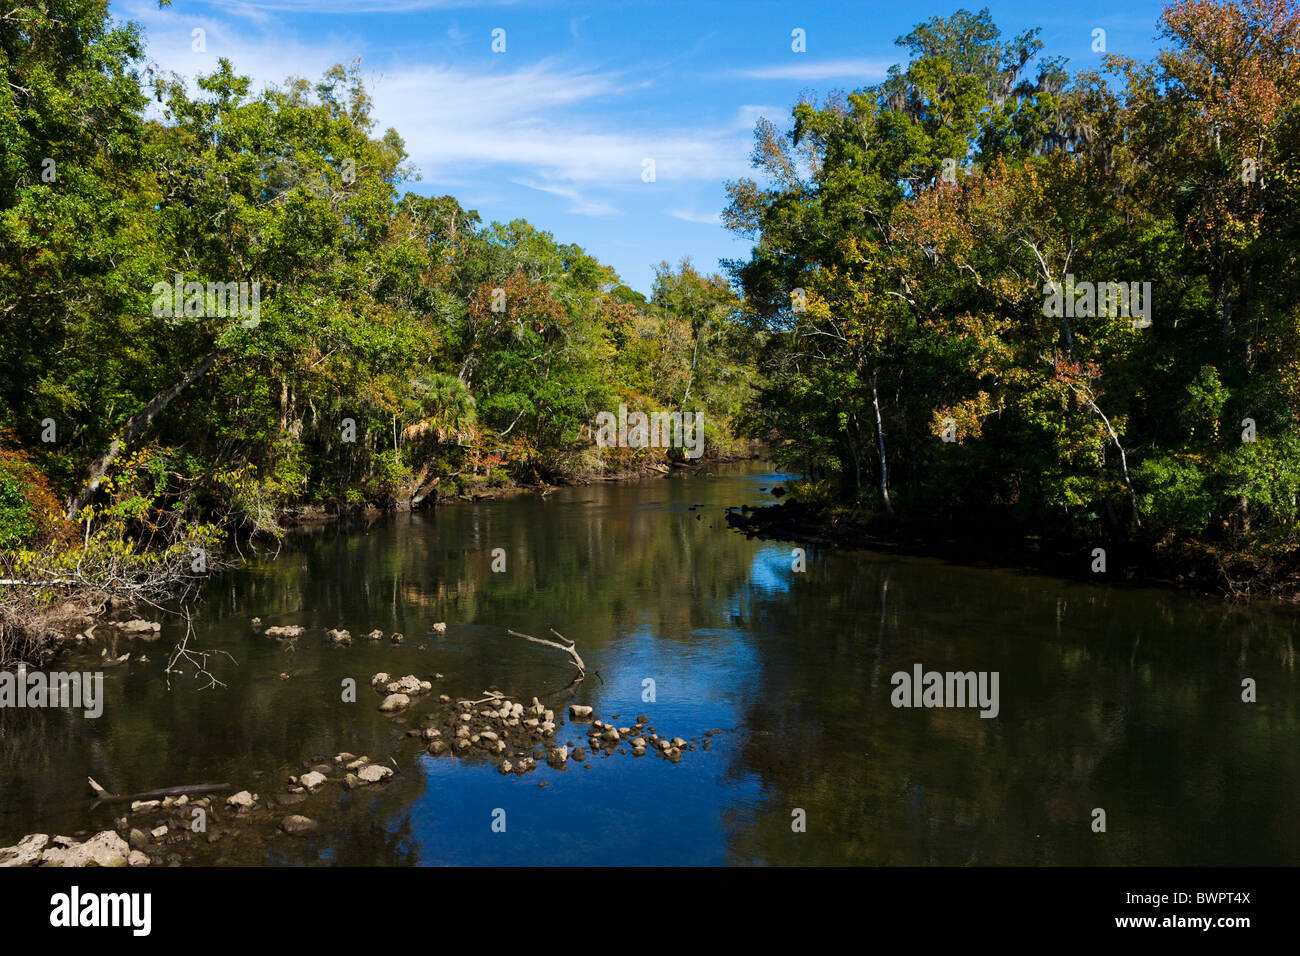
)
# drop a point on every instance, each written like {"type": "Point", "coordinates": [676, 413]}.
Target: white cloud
{"type": "Point", "coordinates": [863, 71]}
{"type": "Point", "coordinates": [549, 125]}
{"type": "Point", "coordinates": [580, 206]}
{"type": "Point", "coordinates": [690, 215]}
{"type": "Point", "coordinates": [335, 7]}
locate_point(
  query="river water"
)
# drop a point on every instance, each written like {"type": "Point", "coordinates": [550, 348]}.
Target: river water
{"type": "Point", "coordinates": [1125, 700]}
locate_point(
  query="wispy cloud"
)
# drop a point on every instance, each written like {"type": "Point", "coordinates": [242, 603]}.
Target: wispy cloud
{"type": "Point", "coordinates": [335, 7]}
{"type": "Point", "coordinates": [865, 71]}
{"type": "Point", "coordinates": [690, 215]}
{"type": "Point", "coordinates": [579, 205]}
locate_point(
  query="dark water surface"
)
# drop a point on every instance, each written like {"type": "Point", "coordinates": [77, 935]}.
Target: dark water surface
{"type": "Point", "coordinates": [1123, 699]}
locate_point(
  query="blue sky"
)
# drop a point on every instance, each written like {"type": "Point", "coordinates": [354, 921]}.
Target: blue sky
{"type": "Point", "coordinates": [557, 129]}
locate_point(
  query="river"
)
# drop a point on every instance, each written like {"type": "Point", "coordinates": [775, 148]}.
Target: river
{"type": "Point", "coordinates": [1122, 699]}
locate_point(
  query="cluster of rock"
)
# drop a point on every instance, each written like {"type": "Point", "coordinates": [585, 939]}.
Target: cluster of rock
{"type": "Point", "coordinates": [640, 737]}
{"type": "Point", "coordinates": [105, 848]}
{"type": "Point", "coordinates": [336, 636]}
{"type": "Point", "coordinates": [398, 693]}
{"type": "Point", "coordinates": [356, 772]}
{"type": "Point", "coordinates": [519, 735]}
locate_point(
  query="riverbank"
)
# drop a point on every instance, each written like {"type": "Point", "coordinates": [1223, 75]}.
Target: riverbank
{"type": "Point", "coordinates": [58, 608]}
{"type": "Point", "coordinates": [996, 544]}
{"type": "Point", "coordinates": [472, 488]}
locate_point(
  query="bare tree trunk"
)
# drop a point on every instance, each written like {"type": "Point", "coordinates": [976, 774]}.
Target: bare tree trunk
{"type": "Point", "coordinates": [880, 447]}
{"type": "Point", "coordinates": [133, 429]}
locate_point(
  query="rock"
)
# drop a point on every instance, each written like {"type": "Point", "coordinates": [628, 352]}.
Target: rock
{"type": "Point", "coordinates": [256, 623]}
{"type": "Point", "coordinates": [506, 766]}
{"type": "Point", "coordinates": [489, 735]}
{"type": "Point", "coordinates": [137, 838]}
{"type": "Point", "coordinates": [580, 755]}
{"type": "Point", "coordinates": [138, 626]}
{"type": "Point", "coordinates": [579, 711]}
{"type": "Point", "coordinates": [241, 801]}
{"type": "Point", "coordinates": [678, 742]}
{"type": "Point", "coordinates": [312, 780]}
{"type": "Point", "coordinates": [397, 638]}
{"type": "Point", "coordinates": [105, 848]}
{"type": "Point", "coordinates": [437, 747]}
{"type": "Point", "coordinates": [638, 751]}
{"type": "Point", "coordinates": [296, 823]}
{"type": "Point", "coordinates": [674, 755]}
{"type": "Point", "coordinates": [285, 632]}
{"type": "Point", "coordinates": [611, 734]}
{"type": "Point", "coordinates": [440, 628]}
{"type": "Point", "coordinates": [140, 806]}
{"type": "Point", "coordinates": [26, 851]}
{"type": "Point", "coordinates": [344, 758]}
{"type": "Point", "coordinates": [358, 763]}
{"type": "Point", "coordinates": [137, 858]}
{"type": "Point", "coordinates": [395, 702]}
{"type": "Point", "coordinates": [338, 637]}
{"type": "Point", "coordinates": [352, 781]}
{"type": "Point", "coordinates": [375, 635]}
{"type": "Point", "coordinates": [158, 832]}
{"type": "Point", "coordinates": [379, 680]}
{"type": "Point", "coordinates": [557, 756]}
{"type": "Point", "coordinates": [373, 773]}
{"type": "Point", "coordinates": [410, 685]}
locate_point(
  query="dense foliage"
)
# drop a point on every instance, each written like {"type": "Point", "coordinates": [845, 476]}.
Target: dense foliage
{"type": "Point", "coordinates": [910, 237]}
{"type": "Point", "coordinates": [387, 345]}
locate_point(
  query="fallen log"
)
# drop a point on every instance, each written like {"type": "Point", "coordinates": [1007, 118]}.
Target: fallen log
{"type": "Point", "coordinates": [103, 796]}
{"type": "Point", "coordinates": [570, 648]}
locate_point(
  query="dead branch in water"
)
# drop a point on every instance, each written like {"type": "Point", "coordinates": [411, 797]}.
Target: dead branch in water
{"type": "Point", "coordinates": [199, 659]}
{"type": "Point", "coordinates": [103, 796]}
{"type": "Point", "coordinates": [570, 648]}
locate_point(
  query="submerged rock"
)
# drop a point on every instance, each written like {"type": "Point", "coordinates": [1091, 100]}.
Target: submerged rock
{"type": "Point", "coordinates": [395, 702]}
{"type": "Point", "coordinates": [373, 773]}
{"type": "Point", "coordinates": [293, 630]}
{"type": "Point", "coordinates": [242, 800]}
{"type": "Point", "coordinates": [296, 823]}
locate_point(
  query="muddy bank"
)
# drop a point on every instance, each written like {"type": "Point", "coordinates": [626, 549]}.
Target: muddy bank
{"type": "Point", "coordinates": [997, 544]}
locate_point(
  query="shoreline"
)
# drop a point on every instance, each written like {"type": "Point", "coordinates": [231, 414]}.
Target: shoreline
{"type": "Point", "coordinates": [990, 545]}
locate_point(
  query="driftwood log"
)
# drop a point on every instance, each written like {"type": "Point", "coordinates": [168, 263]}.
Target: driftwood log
{"type": "Point", "coordinates": [103, 796]}
{"type": "Point", "coordinates": [569, 648]}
